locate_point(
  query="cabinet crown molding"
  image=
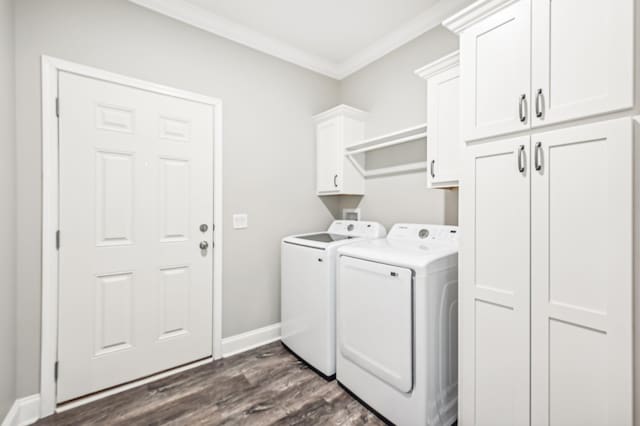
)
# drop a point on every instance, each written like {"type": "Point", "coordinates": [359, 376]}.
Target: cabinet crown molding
{"type": "Point", "coordinates": [439, 65]}
{"type": "Point", "coordinates": [474, 13]}
{"type": "Point", "coordinates": [341, 110]}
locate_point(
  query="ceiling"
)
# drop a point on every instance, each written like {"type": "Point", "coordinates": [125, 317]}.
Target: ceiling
{"type": "Point", "coordinates": [332, 37]}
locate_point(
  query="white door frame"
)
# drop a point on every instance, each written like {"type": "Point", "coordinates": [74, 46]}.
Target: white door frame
{"type": "Point", "coordinates": [50, 208]}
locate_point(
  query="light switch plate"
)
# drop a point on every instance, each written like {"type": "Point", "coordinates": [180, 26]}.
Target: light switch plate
{"type": "Point", "coordinates": [240, 221]}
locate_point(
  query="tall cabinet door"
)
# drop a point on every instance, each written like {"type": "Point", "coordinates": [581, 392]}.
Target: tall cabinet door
{"type": "Point", "coordinates": [495, 70]}
{"type": "Point", "coordinates": [495, 284]}
{"type": "Point", "coordinates": [582, 275]}
{"type": "Point", "coordinates": [582, 58]}
{"type": "Point", "coordinates": [329, 158]}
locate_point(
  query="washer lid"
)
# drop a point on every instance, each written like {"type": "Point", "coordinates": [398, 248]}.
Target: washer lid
{"type": "Point", "coordinates": [340, 232]}
{"type": "Point", "coordinates": [325, 237]}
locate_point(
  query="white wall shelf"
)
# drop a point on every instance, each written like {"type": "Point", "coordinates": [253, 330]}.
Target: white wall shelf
{"type": "Point", "coordinates": [403, 136]}
{"type": "Point", "coordinates": [390, 139]}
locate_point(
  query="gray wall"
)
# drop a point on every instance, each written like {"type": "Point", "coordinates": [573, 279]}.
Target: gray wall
{"type": "Point", "coordinates": [396, 98]}
{"type": "Point", "coordinates": [269, 145]}
{"type": "Point", "coordinates": [7, 211]}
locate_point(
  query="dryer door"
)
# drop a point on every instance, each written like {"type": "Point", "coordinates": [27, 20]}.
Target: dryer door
{"type": "Point", "coordinates": [375, 319]}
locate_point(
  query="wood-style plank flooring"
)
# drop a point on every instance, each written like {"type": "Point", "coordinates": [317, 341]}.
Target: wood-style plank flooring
{"type": "Point", "coordinates": [265, 386]}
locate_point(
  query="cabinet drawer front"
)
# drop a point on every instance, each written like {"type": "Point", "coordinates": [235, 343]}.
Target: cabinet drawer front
{"type": "Point", "coordinates": [582, 59]}
{"type": "Point", "coordinates": [582, 276]}
{"type": "Point", "coordinates": [495, 214]}
{"type": "Point", "coordinates": [495, 71]}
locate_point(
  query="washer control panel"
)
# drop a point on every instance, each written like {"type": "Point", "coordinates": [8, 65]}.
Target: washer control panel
{"type": "Point", "coordinates": [357, 228]}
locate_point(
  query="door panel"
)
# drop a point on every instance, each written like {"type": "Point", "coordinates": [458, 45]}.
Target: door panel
{"type": "Point", "coordinates": [495, 68]}
{"type": "Point", "coordinates": [136, 173]}
{"type": "Point", "coordinates": [376, 331]}
{"type": "Point", "coordinates": [582, 62]}
{"type": "Point", "coordinates": [329, 159]}
{"type": "Point", "coordinates": [443, 115]}
{"type": "Point", "coordinates": [495, 284]}
{"type": "Point", "coordinates": [582, 276]}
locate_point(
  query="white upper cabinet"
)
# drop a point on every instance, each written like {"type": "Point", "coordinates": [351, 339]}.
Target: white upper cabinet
{"type": "Point", "coordinates": [582, 58]}
{"type": "Point", "coordinates": [443, 119]}
{"type": "Point", "coordinates": [335, 129]}
{"type": "Point", "coordinates": [533, 63]}
{"type": "Point", "coordinates": [495, 68]}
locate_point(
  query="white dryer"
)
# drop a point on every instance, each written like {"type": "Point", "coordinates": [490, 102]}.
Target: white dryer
{"type": "Point", "coordinates": [397, 323]}
{"type": "Point", "coordinates": [308, 290]}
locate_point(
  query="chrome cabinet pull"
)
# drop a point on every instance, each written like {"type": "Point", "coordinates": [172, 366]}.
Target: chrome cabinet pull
{"type": "Point", "coordinates": [522, 108]}
{"type": "Point", "coordinates": [538, 156]}
{"type": "Point", "coordinates": [335, 180]}
{"type": "Point", "coordinates": [539, 104]}
{"type": "Point", "coordinates": [204, 245]}
{"type": "Point", "coordinates": [433, 173]}
{"type": "Point", "coordinates": [521, 160]}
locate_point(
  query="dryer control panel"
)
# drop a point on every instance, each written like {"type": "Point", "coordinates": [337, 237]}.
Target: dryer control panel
{"type": "Point", "coordinates": [418, 232]}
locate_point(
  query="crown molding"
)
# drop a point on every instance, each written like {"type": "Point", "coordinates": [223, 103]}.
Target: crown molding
{"type": "Point", "coordinates": [342, 110]}
{"type": "Point", "coordinates": [184, 11]}
{"type": "Point", "coordinates": [413, 29]}
{"type": "Point", "coordinates": [439, 65]}
{"type": "Point", "coordinates": [474, 13]}
{"type": "Point", "coordinates": [198, 17]}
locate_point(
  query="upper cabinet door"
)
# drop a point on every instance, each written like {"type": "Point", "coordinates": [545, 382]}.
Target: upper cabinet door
{"type": "Point", "coordinates": [582, 58]}
{"type": "Point", "coordinates": [495, 70]}
{"type": "Point", "coordinates": [329, 158]}
{"type": "Point", "coordinates": [443, 117]}
{"type": "Point", "coordinates": [582, 275]}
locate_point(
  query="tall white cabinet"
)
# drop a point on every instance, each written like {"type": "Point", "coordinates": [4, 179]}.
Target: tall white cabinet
{"type": "Point", "coordinates": [443, 121]}
{"type": "Point", "coordinates": [546, 216]}
{"type": "Point", "coordinates": [336, 129]}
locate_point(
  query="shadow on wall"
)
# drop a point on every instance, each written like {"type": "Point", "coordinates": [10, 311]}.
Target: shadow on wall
{"type": "Point", "coordinates": [333, 204]}
{"type": "Point", "coordinates": [450, 206]}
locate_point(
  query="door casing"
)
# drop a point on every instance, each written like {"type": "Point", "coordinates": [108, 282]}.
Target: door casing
{"type": "Point", "coordinates": [50, 207]}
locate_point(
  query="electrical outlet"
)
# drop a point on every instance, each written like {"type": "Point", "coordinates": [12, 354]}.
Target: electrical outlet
{"type": "Point", "coordinates": [240, 221]}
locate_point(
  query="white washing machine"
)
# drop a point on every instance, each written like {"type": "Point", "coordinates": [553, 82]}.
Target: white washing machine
{"type": "Point", "coordinates": [397, 323]}
{"type": "Point", "coordinates": [308, 290]}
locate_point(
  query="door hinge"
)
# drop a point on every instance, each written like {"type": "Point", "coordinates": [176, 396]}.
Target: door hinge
{"type": "Point", "coordinates": [58, 240]}
{"type": "Point", "coordinates": [58, 107]}
{"type": "Point", "coordinates": [55, 371]}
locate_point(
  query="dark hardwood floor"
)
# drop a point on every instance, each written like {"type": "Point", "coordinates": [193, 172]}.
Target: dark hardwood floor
{"type": "Point", "coordinates": [265, 386]}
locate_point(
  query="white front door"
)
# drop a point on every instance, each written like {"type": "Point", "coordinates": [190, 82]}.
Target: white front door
{"type": "Point", "coordinates": [136, 184]}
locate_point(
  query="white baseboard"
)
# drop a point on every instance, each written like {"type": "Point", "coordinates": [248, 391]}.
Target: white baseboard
{"type": "Point", "coordinates": [251, 339]}
{"type": "Point", "coordinates": [25, 411]}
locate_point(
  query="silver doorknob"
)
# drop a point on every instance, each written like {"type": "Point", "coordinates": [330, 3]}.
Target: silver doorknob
{"type": "Point", "coordinates": [204, 245]}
